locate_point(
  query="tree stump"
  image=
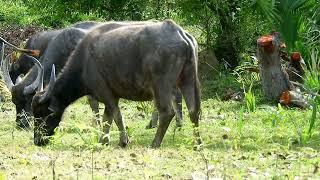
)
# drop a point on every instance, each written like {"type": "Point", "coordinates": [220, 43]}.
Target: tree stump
{"type": "Point", "coordinates": [274, 79]}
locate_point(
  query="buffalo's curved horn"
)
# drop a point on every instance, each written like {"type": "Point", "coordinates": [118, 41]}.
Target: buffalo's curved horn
{"type": "Point", "coordinates": [34, 53]}
{"type": "Point", "coordinates": [4, 68]}
{"type": "Point", "coordinates": [2, 52]}
{"type": "Point", "coordinates": [38, 83]}
{"type": "Point", "coordinates": [48, 93]}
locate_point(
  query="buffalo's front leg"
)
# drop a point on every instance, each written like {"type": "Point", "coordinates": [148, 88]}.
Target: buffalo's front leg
{"type": "Point", "coordinates": [112, 111]}
{"type": "Point", "coordinates": [94, 104]}
{"type": "Point", "coordinates": [124, 139]}
{"type": "Point", "coordinates": [177, 105]}
{"type": "Point", "coordinates": [106, 124]}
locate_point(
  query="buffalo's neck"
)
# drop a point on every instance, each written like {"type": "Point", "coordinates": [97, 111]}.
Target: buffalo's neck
{"type": "Point", "coordinates": [69, 87]}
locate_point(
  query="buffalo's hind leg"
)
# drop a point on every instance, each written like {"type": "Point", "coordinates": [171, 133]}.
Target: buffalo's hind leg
{"type": "Point", "coordinates": [163, 102]}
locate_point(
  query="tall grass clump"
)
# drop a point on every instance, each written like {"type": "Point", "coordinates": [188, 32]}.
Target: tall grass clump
{"type": "Point", "coordinates": [250, 99]}
{"type": "Point", "coordinates": [312, 74]}
{"type": "Point", "coordinates": [312, 84]}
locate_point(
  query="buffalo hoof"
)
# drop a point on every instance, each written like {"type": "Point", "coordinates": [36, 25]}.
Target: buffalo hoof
{"type": "Point", "coordinates": [155, 145]}
{"type": "Point", "coordinates": [198, 144]}
{"type": "Point", "coordinates": [41, 141]}
{"type": "Point", "coordinates": [124, 139]}
{"type": "Point", "coordinates": [150, 126]}
{"type": "Point", "coordinates": [105, 139]}
{"type": "Point", "coordinates": [153, 122]}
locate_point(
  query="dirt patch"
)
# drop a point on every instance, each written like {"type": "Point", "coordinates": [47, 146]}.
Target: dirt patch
{"type": "Point", "coordinates": [17, 35]}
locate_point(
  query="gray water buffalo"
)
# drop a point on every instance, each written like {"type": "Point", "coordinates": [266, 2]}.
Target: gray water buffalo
{"type": "Point", "coordinates": [139, 62]}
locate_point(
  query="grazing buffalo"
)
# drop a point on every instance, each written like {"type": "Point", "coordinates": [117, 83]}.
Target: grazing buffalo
{"type": "Point", "coordinates": [138, 62]}
{"type": "Point", "coordinates": [40, 42]}
{"type": "Point", "coordinates": [57, 53]}
{"type": "Point", "coordinates": [55, 47]}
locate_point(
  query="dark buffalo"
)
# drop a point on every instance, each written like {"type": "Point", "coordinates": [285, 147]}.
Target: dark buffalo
{"type": "Point", "coordinates": [40, 42]}
{"type": "Point", "coordinates": [57, 53]}
{"type": "Point", "coordinates": [55, 47]}
{"type": "Point", "coordinates": [140, 63]}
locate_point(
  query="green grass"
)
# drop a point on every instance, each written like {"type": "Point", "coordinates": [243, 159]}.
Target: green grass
{"type": "Point", "coordinates": [266, 143]}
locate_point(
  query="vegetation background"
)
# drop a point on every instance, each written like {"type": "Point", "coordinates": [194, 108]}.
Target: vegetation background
{"type": "Point", "coordinates": [252, 138]}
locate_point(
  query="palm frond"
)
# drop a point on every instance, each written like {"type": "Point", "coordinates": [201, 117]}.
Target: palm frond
{"type": "Point", "coordinates": [266, 8]}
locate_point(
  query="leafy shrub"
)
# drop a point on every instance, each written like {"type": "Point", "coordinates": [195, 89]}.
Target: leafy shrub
{"type": "Point", "coordinates": [15, 12]}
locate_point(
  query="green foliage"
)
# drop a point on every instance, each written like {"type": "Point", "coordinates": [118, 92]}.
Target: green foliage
{"type": "Point", "coordinates": [286, 16]}
{"type": "Point", "coordinates": [15, 12]}
{"type": "Point", "coordinates": [296, 20]}
{"type": "Point", "coordinates": [241, 121]}
{"type": "Point", "coordinates": [245, 72]}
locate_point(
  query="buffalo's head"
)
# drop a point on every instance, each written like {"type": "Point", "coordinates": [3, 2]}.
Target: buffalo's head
{"type": "Point", "coordinates": [22, 90]}
{"type": "Point", "coordinates": [46, 118]}
{"type": "Point", "coordinates": [23, 106]}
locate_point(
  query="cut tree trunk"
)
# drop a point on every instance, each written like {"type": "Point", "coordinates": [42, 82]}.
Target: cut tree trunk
{"type": "Point", "coordinates": [274, 79]}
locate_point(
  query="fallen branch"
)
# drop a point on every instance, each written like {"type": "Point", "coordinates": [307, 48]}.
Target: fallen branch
{"type": "Point", "coordinates": [34, 53]}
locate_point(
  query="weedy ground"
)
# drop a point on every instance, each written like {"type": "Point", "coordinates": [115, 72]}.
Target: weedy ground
{"type": "Point", "coordinates": [268, 142]}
